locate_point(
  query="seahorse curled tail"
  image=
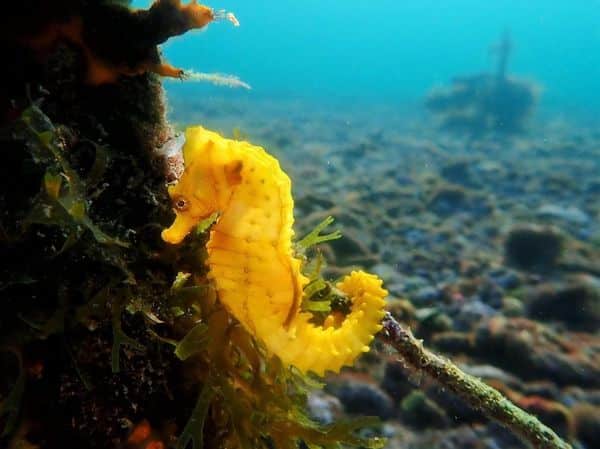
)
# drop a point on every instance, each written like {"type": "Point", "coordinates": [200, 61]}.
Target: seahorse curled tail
{"type": "Point", "coordinates": [311, 347]}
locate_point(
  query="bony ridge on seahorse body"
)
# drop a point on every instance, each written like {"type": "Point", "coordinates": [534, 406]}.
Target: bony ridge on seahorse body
{"type": "Point", "coordinates": [250, 255]}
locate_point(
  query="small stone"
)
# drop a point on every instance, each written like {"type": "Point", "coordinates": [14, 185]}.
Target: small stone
{"type": "Point", "coordinates": [386, 272]}
{"type": "Point", "coordinates": [364, 398]}
{"type": "Point", "coordinates": [426, 295]}
{"type": "Point", "coordinates": [421, 412]}
{"type": "Point", "coordinates": [351, 250]}
{"type": "Point", "coordinates": [512, 306]}
{"type": "Point", "coordinates": [505, 278]}
{"type": "Point", "coordinates": [412, 283]}
{"type": "Point", "coordinates": [458, 172]}
{"type": "Point", "coordinates": [587, 424]}
{"type": "Point", "coordinates": [396, 380]}
{"type": "Point", "coordinates": [568, 214]}
{"type": "Point", "coordinates": [576, 304]}
{"type": "Point", "coordinates": [323, 407]}
{"type": "Point", "coordinates": [491, 372]}
{"type": "Point", "coordinates": [472, 314]}
{"type": "Point", "coordinates": [450, 199]}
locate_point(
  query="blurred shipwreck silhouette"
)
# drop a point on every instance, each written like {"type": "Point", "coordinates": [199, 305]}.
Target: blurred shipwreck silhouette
{"type": "Point", "coordinates": [485, 103]}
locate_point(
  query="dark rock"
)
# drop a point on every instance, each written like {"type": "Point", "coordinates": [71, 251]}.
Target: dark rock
{"type": "Point", "coordinates": [349, 250]}
{"type": "Point", "coordinates": [593, 186]}
{"type": "Point", "coordinates": [420, 411]}
{"type": "Point", "coordinates": [310, 203]}
{"type": "Point", "coordinates": [431, 321]}
{"type": "Point", "coordinates": [458, 172]}
{"type": "Point", "coordinates": [534, 352]}
{"type": "Point", "coordinates": [555, 415]}
{"type": "Point", "coordinates": [450, 199]}
{"type": "Point", "coordinates": [505, 278]}
{"type": "Point", "coordinates": [577, 304]}
{"type": "Point", "coordinates": [492, 436]}
{"type": "Point", "coordinates": [491, 294]}
{"type": "Point", "coordinates": [415, 237]}
{"type": "Point", "coordinates": [453, 342]}
{"type": "Point", "coordinates": [426, 295]}
{"type": "Point", "coordinates": [485, 103]}
{"type": "Point", "coordinates": [587, 424]}
{"type": "Point", "coordinates": [396, 380]}
{"type": "Point", "coordinates": [363, 398]}
{"type": "Point", "coordinates": [472, 314]}
{"type": "Point", "coordinates": [543, 389]}
{"type": "Point", "coordinates": [533, 247]}
{"type": "Point", "coordinates": [412, 283]}
{"type": "Point", "coordinates": [456, 409]}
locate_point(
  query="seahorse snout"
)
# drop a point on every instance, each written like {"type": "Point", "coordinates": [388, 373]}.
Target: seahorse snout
{"type": "Point", "coordinates": [180, 228]}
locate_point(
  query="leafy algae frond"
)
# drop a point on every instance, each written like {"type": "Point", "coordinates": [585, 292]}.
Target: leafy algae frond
{"type": "Point", "coordinates": [65, 201]}
{"type": "Point", "coordinates": [252, 398]}
{"type": "Point", "coordinates": [315, 237]}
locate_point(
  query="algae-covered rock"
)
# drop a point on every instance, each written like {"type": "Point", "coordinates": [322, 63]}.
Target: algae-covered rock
{"type": "Point", "coordinates": [483, 104]}
{"type": "Point", "coordinates": [451, 199]}
{"type": "Point", "coordinates": [587, 424]}
{"type": "Point", "coordinates": [422, 412]}
{"type": "Point", "coordinates": [534, 351]}
{"type": "Point", "coordinates": [576, 304]}
{"type": "Point", "coordinates": [533, 247]}
{"type": "Point", "coordinates": [364, 398]}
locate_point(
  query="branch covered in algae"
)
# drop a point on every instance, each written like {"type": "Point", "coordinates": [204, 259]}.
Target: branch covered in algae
{"type": "Point", "coordinates": [478, 394]}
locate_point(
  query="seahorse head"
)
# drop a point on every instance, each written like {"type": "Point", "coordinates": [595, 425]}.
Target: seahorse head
{"type": "Point", "coordinates": [211, 172]}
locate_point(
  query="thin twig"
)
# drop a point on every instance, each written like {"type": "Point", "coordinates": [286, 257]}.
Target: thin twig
{"type": "Point", "coordinates": [475, 392]}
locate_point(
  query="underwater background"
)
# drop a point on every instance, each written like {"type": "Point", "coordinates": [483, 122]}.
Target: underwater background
{"type": "Point", "coordinates": [394, 52]}
{"type": "Point", "coordinates": [479, 208]}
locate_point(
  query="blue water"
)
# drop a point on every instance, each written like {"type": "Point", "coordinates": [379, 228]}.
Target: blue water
{"type": "Point", "coordinates": [396, 50]}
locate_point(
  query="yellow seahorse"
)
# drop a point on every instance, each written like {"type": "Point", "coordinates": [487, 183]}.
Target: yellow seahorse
{"type": "Point", "coordinates": [250, 255]}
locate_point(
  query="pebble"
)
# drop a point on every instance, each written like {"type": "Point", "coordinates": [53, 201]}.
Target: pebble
{"type": "Point", "coordinates": [425, 296]}
{"type": "Point", "coordinates": [569, 214]}
{"type": "Point", "coordinates": [365, 398]}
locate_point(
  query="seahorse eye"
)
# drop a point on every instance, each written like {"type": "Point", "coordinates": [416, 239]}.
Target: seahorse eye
{"type": "Point", "coordinates": [181, 203]}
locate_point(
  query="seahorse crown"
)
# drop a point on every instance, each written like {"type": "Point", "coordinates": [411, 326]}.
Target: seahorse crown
{"type": "Point", "coordinates": [210, 176]}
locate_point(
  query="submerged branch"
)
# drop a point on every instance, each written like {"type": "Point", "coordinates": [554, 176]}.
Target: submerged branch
{"type": "Point", "coordinates": [475, 392]}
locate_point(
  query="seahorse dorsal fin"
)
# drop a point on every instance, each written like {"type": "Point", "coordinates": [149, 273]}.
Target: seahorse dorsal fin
{"type": "Point", "coordinates": [233, 172]}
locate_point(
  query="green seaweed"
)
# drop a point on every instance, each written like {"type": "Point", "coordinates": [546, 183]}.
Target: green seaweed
{"type": "Point", "coordinates": [120, 339]}
{"type": "Point", "coordinates": [315, 237]}
{"type": "Point", "coordinates": [64, 202]}
{"type": "Point", "coordinates": [11, 405]}
{"type": "Point", "coordinates": [261, 402]}
{"type": "Point", "coordinates": [193, 432]}
{"type": "Point", "coordinates": [193, 342]}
